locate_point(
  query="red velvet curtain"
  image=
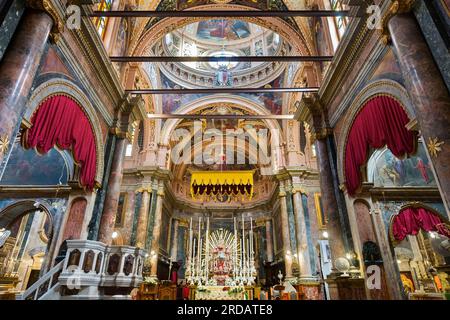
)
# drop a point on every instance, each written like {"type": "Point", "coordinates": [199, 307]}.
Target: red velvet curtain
{"type": "Point", "coordinates": [410, 220]}
{"type": "Point", "coordinates": [60, 121]}
{"type": "Point", "coordinates": [381, 122]}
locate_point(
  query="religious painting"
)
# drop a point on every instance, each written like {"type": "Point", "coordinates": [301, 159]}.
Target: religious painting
{"type": "Point", "coordinates": [27, 167]}
{"type": "Point", "coordinates": [171, 102]}
{"type": "Point", "coordinates": [223, 30]}
{"type": "Point", "coordinates": [385, 170]}
{"type": "Point", "coordinates": [271, 101]}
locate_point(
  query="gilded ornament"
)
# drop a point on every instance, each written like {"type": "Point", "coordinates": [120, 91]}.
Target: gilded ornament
{"type": "Point", "coordinates": [4, 144]}
{"type": "Point", "coordinates": [434, 146]}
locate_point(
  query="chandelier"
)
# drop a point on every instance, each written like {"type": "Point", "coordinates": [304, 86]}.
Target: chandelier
{"type": "Point", "coordinates": [222, 185]}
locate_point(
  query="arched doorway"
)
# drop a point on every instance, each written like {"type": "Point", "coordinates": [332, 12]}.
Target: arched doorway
{"type": "Point", "coordinates": [420, 236]}
{"type": "Point", "coordinates": [29, 226]}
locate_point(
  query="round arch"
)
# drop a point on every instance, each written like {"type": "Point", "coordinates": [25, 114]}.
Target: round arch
{"type": "Point", "coordinates": [384, 87]}
{"type": "Point", "coordinates": [286, 31]}
{"type": "Point", "coordinates": [66, 87]}
{"type": "Point", "coordinates": [416, 204]}
{"type": "Point", "coordinates": [23, 207]}
{"type": "Point", "coordinates": [205, 102]}
{"type": "Point", "coordinates": [237, 101]}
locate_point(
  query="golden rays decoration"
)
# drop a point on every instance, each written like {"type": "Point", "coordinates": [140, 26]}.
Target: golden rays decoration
{"type": "Point", "coordinates": [4, 144]}
{"type": "Point", "coordinates": [434, 146]}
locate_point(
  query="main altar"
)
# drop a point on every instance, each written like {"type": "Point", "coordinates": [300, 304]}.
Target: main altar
{"type": "Point", "coordinates": [221, 259]}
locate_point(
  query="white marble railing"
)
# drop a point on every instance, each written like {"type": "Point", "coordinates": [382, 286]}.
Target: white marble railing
{"type": "Point", "coordinates": [43, 285]}
{"type": "Point", "coordinates": [94, 264]}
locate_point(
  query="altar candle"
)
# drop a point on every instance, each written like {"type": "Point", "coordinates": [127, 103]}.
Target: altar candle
{"type": "Point", "coordinates": [235, 248]}
{"type": "Point", "coordinates": [251, 237]}
{"type": "Point", "coordinates": [199, 242]}
{"type": "Point", "coordinates": [190, 243]}
{"type": "Point", "coordinates": [207, 247]}
{"type": "Point", "coordinates": [193, 259]}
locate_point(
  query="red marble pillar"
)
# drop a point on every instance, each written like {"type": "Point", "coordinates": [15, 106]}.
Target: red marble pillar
{"type": "Point", "coordinates": [428, 92]}
{"type": "Point", "coordinates": [108, 219]}
{"type": "Point", "coordinates": [329, 201]}
{"type": "Point", "coordinates": [17, 71]}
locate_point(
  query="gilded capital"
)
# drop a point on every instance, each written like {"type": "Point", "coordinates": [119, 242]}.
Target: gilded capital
{"type": "Point", "coordinates": [48, 7]}
{"type": "Point", "coordinates": [397, 7]}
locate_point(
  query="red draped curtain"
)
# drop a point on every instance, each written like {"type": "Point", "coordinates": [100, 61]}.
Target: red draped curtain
{"type": "Point", "coordinates": [411, 220]}
{"type": "Point", "coordinates": [380, 122]}
{"type": "Point", "coordinates": [60, 121]}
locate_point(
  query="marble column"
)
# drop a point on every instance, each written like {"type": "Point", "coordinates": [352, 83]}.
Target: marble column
{"type": "Point", "coordinates": [428, 92]}
{"type": "Point", "coordinates": [304, 260]}
{"type": "Point", "coordinates": [174, 248]}
{"type": "Point", "coordinates": [17, 71]}
{"type": "Point", "coordinates": [129, 216]}
{"type": "Point", "coordinates": [285, 234]}
{"type": "Point", "coordinates": [141, 232]}
{"type": "Point", "coordinates": [269, 241]}
{"type": "Point", "coordinates": [108, 219]}
{"type": "Point", "coordinates": [329, 201]}
{"type": "Point", "coordinates": [157, 232]}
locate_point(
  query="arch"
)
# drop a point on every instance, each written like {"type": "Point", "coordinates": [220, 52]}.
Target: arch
{"type": "Point", "coordinates": [237, 101]}
{"type": "Point", "coordinates": [415, 205]}
{"type": "Point", "coordinates": [157, 31]}
{"type": "Point", "coordinates": [240, 102]}
{"type": "Point", "coordinates": [18, 209]}
{"type": "Point", "coordinates": [68, 88]}
{"type": "Point", "coordinates": [353, 116]}
{"type": "Point", "coordinates": [384, 87]}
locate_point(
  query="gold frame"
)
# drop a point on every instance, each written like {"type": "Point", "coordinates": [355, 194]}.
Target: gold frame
{"type": "Point", "coordinates": [319, 211]}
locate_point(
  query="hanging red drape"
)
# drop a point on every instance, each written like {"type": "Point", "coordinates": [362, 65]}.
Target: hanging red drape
{"type": "Point", "coordinates": [380, 122]}
{"type": "Point", "coordinates": [410, 220]}
{"type": "Point", "coordinates": [60, 121]}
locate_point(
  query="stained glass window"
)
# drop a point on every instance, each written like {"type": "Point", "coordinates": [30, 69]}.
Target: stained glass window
{"type": "Point", "coordinates": [102, 22]}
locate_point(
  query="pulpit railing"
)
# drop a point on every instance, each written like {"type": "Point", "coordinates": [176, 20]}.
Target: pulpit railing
{"type": "Point", "coordinates": [42, 285]}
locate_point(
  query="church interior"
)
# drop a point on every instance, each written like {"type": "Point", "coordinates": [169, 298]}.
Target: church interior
{"type": "Point", "coordinates": [224, 149]}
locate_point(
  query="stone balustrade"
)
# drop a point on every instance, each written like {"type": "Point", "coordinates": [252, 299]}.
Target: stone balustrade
{"type": "Point", "coordinates": [91, 268]}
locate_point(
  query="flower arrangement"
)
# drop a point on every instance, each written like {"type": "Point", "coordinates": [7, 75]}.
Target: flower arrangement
{"type": "Point", "coordinates": [235, 291]}
{"type": "Point", "coordinates": [151, 280]}
{"type": "Point", "coordinates": [202, 289]}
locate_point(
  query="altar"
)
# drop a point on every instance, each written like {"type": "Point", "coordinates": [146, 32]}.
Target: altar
{"type": "Point", "coordinates": [224, 293]}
